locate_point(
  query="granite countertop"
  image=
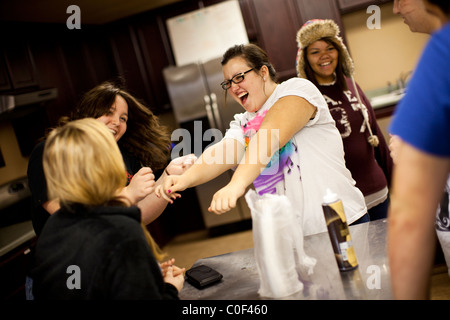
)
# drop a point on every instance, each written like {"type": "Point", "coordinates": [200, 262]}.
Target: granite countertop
{"type": "Point", "coordinates": [15, 235]}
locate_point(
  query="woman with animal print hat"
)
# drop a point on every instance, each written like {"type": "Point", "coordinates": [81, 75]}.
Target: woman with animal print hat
{"type": "Point", "coordinates": [324, 60]}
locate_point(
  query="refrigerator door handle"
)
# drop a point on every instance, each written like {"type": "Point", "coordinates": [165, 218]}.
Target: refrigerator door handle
{"type": "Point", "coordinates": [215, 110]}
{"type": "Point", "coordinates": [209, 111]}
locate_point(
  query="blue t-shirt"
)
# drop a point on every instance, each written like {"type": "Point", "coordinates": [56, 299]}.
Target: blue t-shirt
{"type": "Point", "coordinates": [422, 118]}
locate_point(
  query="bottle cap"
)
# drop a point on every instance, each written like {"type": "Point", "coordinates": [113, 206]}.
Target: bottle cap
{"type": "Point", "coordinates": [330, 197]}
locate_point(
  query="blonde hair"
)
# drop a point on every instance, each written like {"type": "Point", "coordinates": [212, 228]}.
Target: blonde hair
{"type": "Point", "coordinates": [83, 164]}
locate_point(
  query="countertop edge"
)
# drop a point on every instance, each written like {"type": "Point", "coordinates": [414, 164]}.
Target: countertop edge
{"type": "Point", "coordinates": [15, 235]}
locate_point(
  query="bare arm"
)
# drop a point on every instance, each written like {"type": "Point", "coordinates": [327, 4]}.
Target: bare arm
{"type": "Point", "coordinates": [215, 160]}
{"type": "Point", "coordinates": [417, 187]}
{"type": "Point", "coordinates": [277, 128]}
{"type": "Point", "coordinates": [152, 206]}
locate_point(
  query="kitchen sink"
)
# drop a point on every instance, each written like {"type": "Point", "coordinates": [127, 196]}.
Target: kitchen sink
{"type": "Point", "coordinates": [387, 99]}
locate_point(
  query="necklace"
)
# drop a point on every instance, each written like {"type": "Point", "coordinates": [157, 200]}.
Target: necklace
{"type": "Point", "coordinates": [330, 83]}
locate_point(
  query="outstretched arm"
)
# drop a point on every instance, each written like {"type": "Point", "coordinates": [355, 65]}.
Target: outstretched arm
{"type": "Point", "coordinates": [215, 160]}
{"type": "Point", "coordinates": [151, 206]}
{"type": "Point", "coordinates": [277, 128]}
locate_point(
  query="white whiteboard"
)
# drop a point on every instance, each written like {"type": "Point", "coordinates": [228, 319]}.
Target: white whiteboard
{"type": "Point", "coordinates": [207, 33]}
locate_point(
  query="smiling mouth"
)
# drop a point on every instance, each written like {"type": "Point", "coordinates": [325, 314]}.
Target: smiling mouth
{"type": "Point", "coordinates": [325, 64]}
{"type": "Point", "coordinates": [243, 97]}
{"type": "Point", "coordinates": [114, 132]}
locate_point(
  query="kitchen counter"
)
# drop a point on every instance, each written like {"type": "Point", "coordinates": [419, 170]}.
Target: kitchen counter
{"type": "Point", "coordinates": [386, 100]}
{"type": "Point", "coordinates": [371, 280]}
{"type": "Point", "coordinates": [384, 97]}
{"type": "Point", "coordinates": [14, 235]}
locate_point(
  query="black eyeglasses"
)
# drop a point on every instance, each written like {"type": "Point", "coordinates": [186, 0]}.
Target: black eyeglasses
{"type": "Point", "coordinates": [236, 79]}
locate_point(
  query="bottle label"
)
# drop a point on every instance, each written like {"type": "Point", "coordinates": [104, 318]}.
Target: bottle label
{"type": "Point", "coordinates": [339, 209]}
{"type": "Point", "coordinates": [340, 235]}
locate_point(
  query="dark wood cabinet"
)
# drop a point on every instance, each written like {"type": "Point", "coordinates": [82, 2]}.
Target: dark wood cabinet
{"type": "Point", "coordinates": [5, 83]}
{"type": "Point", "coordinates": [249, 19]}
{"type": "Point", "coordinates": [73, 61]}
{"type": "Point", "coordinates": [17, 68]}
{"type": "Point", "coordinates": [156, 55]}
{"type": "Point", "coordinates": [97, 55]}
{"type": "Point", "coordinates": [319, 9]}
{"type": "Point", "coordinates": [52, 72]}
{"type": "Point", "coordinates": [129, 61]}
{"type": "Point", "coordinates": [20, 65]}
{"type": "Point", "coordinates": [277, 24]}
{"type": "Point", "coordinates": [86, 58]}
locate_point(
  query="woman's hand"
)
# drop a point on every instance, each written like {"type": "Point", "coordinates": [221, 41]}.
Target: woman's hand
{"type": "Point", "coordinates": [152, 207]}
{"type": "Point", "coordinates": [171, 276]}
{"type": "Point", "coordinates": [141, 185]}
{"type": "Point", "coordinates": [165, 265]}
{"type": "Point", "coordinates": [394, 143]}
{"type": "Point", "coordinates": [170, 263]}
{"type": "Point", "coordinates": [179, 165]}
{"type": "Point", "coordinates": [171, 184]}
{"type": "Point", "coordinates": [225, 199]}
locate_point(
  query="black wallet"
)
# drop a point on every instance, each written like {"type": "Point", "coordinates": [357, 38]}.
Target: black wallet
{"type": "Point", "coordinates": [202, 276]}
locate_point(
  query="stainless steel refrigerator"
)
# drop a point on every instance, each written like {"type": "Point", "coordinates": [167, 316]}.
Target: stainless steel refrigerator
{"type": "Point", "coordinates": [198, 101]}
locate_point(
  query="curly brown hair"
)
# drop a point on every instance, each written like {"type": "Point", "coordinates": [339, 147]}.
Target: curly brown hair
{"type": "Point", "coordinates": [146, 138]}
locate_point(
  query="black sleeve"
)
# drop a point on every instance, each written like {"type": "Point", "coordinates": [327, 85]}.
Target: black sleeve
{"type": "Point", "coordinates": [36, 177]}
{"type": "Point", "coordinates": [38, 187]}
{"type": "Point", "coordinates": [132, 164]}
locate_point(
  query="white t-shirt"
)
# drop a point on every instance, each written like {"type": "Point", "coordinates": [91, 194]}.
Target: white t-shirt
{"type": "Point", "coordinates": [311, 162]}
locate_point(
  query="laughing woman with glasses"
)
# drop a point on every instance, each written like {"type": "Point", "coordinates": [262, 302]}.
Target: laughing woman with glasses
{"type": "Point", "coordinates": [285, 143]}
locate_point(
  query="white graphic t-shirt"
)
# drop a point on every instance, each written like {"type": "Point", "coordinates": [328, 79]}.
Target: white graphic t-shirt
{"type": "Point", "coordinates": [311, 162]}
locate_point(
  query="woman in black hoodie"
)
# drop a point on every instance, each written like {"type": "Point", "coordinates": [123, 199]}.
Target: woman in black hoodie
{"type": "Point", "coordinates": [95, 246]}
